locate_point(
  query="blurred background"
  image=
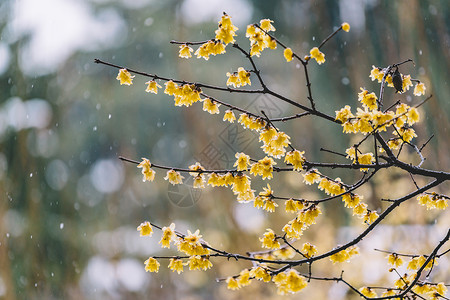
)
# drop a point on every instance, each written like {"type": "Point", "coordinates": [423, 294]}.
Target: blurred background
{"type": "Point", "coordinates": [69, 207]}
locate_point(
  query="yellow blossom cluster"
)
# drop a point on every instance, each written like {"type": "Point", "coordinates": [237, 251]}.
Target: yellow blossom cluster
{"type": "Point", "coordinates": [189, 244]}
{"type": "Point", "coordinates": [245, 276]}
{"type": "Point", "coordinates": [305, 218]}
{"type": "Point", "coordinates": [317, 55]}
{"type": "Point", "coordinates": [263, 168]}
{"type": "Point", "coordinates": [259, 39]}
{"type": "Point", "coordinates": [296, 159]}
{"type": "Point", "coordinates": [433, 291]}
{"type": "Point", "coordinates": [251, 122]}
{"type": "Point", "coordinates": [186, 94]}
{"type": "Point", "coordinates": [367, 121]}
{"type": "Point", "coordinates": [274, 142]}
{"type": "Point", "coordinates": [416, 262]}
{"type": "Point", "coordinates": [265, 200]}
{"type": "Point", "coordinates": [239, 78]}
{"type": "Point", "coordinates": [224, 35]}
{"type": "Point", "coordinates": [344, 255]}
{"type": "Point", "coordinates": [361, 158]}
{"type": "Point", "coordinates": [269, 240]}
{"type": "Point", "coordinates": [378, 73]}
{"type": "Point", "coordinates": [433, 201]}
{"type": "Point", "coordinates": [226, 31]}
{"type": "Point", "coordinates": [207, 49]}
{"type": "Point", "coordinates": [353, 201]}
{"type": "Point", "coordinates": [289, 282]}
{"type": "Point", "coordinates": [294, 205]}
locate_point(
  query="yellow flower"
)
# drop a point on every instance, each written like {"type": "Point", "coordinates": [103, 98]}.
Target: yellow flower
{"type": "Point", "coordinates": [351, 200]}
{"type": "Point", "coordinates": [395, 260]}
{"type": "Point", "coordinates": [406, 83]}
{"type": "Point", "coordinates": [197, 262]}
{"type": "Point", "coordinates": [309, 215]}
{"type": "Point", "coordinates": [152, 87]}
{"type": "Point", "coordinates": [309, 250]}
{"type": "Point", "coordinates": [199, 182]}
{"type": "Point", "coordinates": [369, 100]}
{"type": "Point", "coordinates": [125, 77]}
{"type": "Point", "coordinates": [243, 160]}
{"type": "Point", "coordinates": [219, 48]}
{"type": "Point", "coordinates": [441, 203]}
{"type": "Point", "coordinates": [419, 89]}
{"type": "Point", "coordinates": [368, 292]}
{"type": "Point", "coordinates": [176, 265]}
{"type": "Point", "coordinates": [296, 159]}
{"type": "Point", "coordinates": [167, 236]}
{"type": "Point", "coordinates": [226, 30]}
{"type": "Point", "coordinates": [145, 229]}
{"type": "Point", "coordinates": [244, 277]}
{"type": "Point", "coordinates": [151, 265]}
{"type": "Point", "coordinates": [311, 177]}
{"type": "Point", "coordinates": [205, 50]}
{"type": "Point", "coordinates": [269, 205]}
{"type": "Point", "coordinates": [241, 183]}
{"type": "Point", "coordinates": [344, 114]}
{"type": "Point", "coordinates": [267, 134]}
{"type": "Point", "coordinates": [317, 55]}
{"type": "Point", "coordinates": [288, 54]}
{"type": "Point", "coordinates": [360, 209]}
{"type": "Point", "coordinates": [260, 274]}
{"type": "Point", "coordinates": [370, 216]}
{"type": "Point", "coordinates": [341, 256]}
{"type": "Point", "coordinates": [295, 282]}
{"type": "Point", "coordinates": [266, 167]}
{"type": "Point", "coordinates": [174, 177]}
{"type": "Point", "coordinates": [232, 283]}
{"type": "Point", "coordinates": [271, 43]}
{"type": "Point", "coordinates": [291, 205]}
{"type": "Point", "coordinates": [233, 80]}
{"type": "Point", "coordinates": [376, 74]}
{"type": "Point", "coordinates": [185, 51]}
{"type": "Point", "coordinates": [258, 202]}
{"type": "Point", "coordinates": [266, 24]}
{"type": "Point", "coordinates": [244, 77]}
{"type": "Point", "coordinates": [440, 288]}
{"type": "Point", "coordinates": [229, 116]}
{"type": "Point", "coordinates": [196, 168]}
{"type": "Point", "coordinates": [210, 106]}
{"type": "Point", "coordinates": [345, 26]}
{"type": "Point", "coordinates": [413, 116]}
{"type": "Point", "coordinates": [147, 171]}
{"type": "Point", "coordinates": [269, 240]}
{"type": "Point", "coordinates": [215, 180]}
{"type": "Point", "coordinates": [171, 87]}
